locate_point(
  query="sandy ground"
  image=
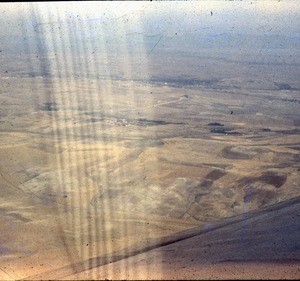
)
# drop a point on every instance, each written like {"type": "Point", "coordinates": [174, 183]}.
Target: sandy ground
{"type": "Point", "coordinates": [88, 175]}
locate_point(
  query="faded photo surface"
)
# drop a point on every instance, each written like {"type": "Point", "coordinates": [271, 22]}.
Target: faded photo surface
{"type": "Point", "coordinates": [150, 140]}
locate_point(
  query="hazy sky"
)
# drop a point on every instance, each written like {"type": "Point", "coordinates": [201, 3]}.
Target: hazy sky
{"type": "Point", "coordinates": [132, 35]}
{"type": "Point", "coordinates": [203, 18]}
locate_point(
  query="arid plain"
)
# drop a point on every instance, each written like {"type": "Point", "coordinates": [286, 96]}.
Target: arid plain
{"type": "Point", "coordinates": [119, 165]}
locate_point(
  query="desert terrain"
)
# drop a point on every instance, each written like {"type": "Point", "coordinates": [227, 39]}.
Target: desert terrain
{"type": "Point", "coordinates": [105, 172]}
{"type": "Point", "coordinates": [167, 163]}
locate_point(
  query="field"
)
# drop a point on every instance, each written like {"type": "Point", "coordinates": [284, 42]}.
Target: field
{"type": "Point", "coordinates": [90, 167]}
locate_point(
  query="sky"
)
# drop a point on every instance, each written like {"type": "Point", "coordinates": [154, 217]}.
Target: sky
{"type": "Point", "coordinates": [281, 18]}
{"type": "Point", "coordinates": [136, 31]}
